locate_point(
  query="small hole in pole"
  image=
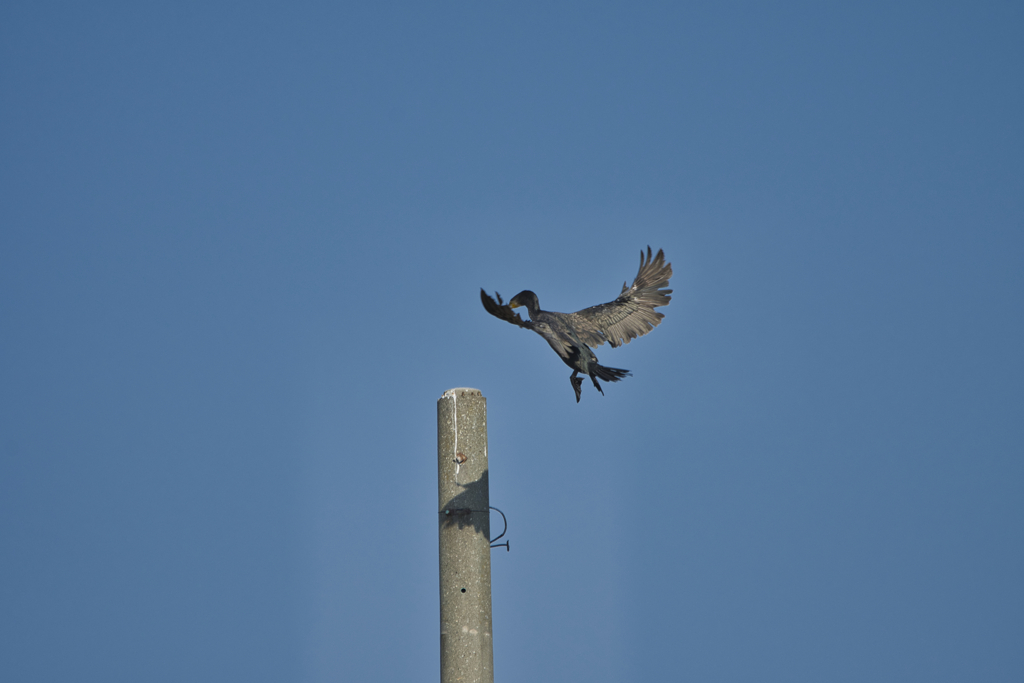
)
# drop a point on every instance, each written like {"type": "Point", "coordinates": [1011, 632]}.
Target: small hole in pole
{"type": "Point", "coordinates": [463, 590]}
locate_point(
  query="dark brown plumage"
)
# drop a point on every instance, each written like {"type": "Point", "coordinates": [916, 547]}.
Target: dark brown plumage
{"type": "Point", "coordinates": [617, 322]}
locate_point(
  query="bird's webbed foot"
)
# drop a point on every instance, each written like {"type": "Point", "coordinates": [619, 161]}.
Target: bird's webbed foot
{"type": "Point", "coordinates": [577, 384]}
{"type": "Point", "coordinates": [596, 385]}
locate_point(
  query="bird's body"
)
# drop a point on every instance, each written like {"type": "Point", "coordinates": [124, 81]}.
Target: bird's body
{"type": "Point", "coordinates": [571, 335]}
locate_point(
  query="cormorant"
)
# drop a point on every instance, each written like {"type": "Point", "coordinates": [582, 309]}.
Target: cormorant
{"type": "Point", "coordinates": [571, 335]}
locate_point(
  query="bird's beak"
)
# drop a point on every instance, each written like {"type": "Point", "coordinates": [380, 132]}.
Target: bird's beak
{"type": "Point", "coordinates": [514, 303]}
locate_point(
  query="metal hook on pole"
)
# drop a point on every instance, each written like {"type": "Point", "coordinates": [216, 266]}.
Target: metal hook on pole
{"type": "Point", "coordinates": [505, 520]}
{"type": "Point", "coordinates": [457, 512]}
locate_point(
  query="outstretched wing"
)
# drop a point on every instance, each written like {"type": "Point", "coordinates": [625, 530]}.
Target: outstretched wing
{"type": "Point", "coordinates": [631, 315]}
{"type": "Point", "coordinates": [499, 309]}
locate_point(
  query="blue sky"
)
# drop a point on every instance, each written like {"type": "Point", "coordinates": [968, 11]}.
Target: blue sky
{"type": "Point", "coordinates": [241, 247]}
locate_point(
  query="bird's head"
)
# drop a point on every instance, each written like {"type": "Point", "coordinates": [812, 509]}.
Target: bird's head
{"type": "Point", "coordinates": [525, 298]}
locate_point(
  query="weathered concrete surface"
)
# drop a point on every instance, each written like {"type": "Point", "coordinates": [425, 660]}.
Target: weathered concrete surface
{"type": "Point", "coordinates": [467, 652]}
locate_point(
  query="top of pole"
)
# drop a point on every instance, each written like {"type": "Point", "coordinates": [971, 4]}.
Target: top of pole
{"type": "Point", "coordinates": [462, 391]}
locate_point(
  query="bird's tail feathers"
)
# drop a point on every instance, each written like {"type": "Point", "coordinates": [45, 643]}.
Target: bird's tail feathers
{"type": "Point", "coordinates": [608, 374]}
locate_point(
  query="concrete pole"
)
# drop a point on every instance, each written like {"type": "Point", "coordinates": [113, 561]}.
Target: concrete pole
{"type": "Point", "coordinates": [464, 532]}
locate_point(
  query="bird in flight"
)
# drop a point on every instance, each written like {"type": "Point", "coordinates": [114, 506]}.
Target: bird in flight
{"type": "Point", "coordinates": [617, 322]}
